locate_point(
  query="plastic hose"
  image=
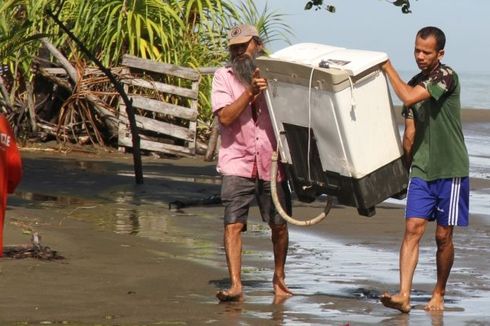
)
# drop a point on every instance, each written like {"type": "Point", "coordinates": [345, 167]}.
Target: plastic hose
{"type": "Point", "coordinates": [278, 205]}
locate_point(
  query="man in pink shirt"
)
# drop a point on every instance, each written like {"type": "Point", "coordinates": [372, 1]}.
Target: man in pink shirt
{"type": "Point", "coordinates": [247, 143]}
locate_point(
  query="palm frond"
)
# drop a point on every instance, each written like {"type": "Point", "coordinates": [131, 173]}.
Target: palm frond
{"type": "Point", "coordinates": [270, 24]}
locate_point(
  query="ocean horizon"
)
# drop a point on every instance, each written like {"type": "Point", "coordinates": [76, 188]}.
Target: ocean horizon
{"type": "Point", "coordinates": [475, 88]}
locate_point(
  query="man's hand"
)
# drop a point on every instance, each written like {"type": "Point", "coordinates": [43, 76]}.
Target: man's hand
{"type": "Point", "coordinates": [231, 112]}
{"type": "Point", "coordinates": [386, 65]}
{"type": "Point", "coordinates": [409, 95]}
{"type": "Point", "coordinates": [258, 84]}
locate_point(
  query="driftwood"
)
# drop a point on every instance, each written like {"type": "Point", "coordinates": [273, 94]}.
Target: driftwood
{"type": "Point", "coordinates": [58, 131]}
{"type": "Point", "coordinates": [46, 73]}
{"type": "Point", "coordinates": [33, 250]}
{"type": "Point", "coordinates": [107, 116]}
{"type": "Point", "coordinates": [211, 200]}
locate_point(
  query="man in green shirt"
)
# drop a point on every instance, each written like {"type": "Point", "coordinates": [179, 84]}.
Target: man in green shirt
{"type": "Point", "coordinates": [439, 167]}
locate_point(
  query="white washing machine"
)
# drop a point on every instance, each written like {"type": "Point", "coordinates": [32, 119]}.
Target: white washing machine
{"type": "Point", "coordinates": [334, 120]}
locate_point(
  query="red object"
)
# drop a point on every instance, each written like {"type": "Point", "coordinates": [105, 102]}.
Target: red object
{"type": "Point", "coordinates": [10, 169]}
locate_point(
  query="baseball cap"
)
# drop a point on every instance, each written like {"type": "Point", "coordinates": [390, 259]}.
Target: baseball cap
{"type": "Point", "coordinates": [241, 34]}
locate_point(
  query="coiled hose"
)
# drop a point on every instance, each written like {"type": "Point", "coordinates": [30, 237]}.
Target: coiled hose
{"type": "Point", "coordinates": [278, 205]}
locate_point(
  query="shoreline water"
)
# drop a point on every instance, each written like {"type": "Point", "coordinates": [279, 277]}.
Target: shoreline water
{"type": "Point", "coordinates": [132, 261]}
{"type": "Point", "coordinates": [474, 88]}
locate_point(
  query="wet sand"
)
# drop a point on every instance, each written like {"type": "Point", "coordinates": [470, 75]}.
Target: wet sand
{"type": "Point", "coordinates": [129, 260]}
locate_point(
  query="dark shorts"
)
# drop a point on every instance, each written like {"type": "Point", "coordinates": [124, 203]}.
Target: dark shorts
{"type": "Point", "coordinates": [237, 193]}
{"type": "Point", "coordinates": [443, 200]}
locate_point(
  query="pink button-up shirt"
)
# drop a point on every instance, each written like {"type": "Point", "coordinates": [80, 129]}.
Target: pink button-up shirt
{"type": "Point", "coordinates": [245, 141]}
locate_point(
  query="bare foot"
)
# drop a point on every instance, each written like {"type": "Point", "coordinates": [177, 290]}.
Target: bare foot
{"type": "Point", "coordinates": [436, 303]}
{"type": "Point", "coordinates": [229, 295]}
{"type": "Point", "coordinates": [280, 288]}
{"type": "Point", "coordinates": [397, 301]}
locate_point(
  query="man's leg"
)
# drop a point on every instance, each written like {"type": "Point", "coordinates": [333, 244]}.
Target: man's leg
{"type": "Point", "coordinates": [409, 255]}
{"type": "Point", "coordinates": [279, 230]}
{"type": "Point", "coordinates": [280, 242]}
{"type": "Point", "coordinates": [454, 195]}
{"type": "Point", "coordinates": [236, 194]}
{"type": "Point", "coordinates": [233, 249]}
{"type": "Point", "coordinates": [445, 259]}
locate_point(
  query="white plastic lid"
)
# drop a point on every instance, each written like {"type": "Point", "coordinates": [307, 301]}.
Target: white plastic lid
{"type": "Point", "coordinates": [351, 61]}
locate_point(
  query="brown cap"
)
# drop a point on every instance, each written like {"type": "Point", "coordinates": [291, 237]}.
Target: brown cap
{"type": "Point", "coordinates": [241, 34]}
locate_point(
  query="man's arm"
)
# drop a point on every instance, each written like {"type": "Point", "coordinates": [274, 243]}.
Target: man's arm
{"type": "Point", "coordinates": [231, 112]}
{"type": "Point", "coordinates": [408, 139]}
{"type": "Point", "coordinates": [407, 94]}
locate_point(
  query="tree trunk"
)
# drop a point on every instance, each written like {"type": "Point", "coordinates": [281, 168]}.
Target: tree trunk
{"type": "Point", "coordinates": [5, 95]}
{"type": "Point", "coordinates": [213, 140]}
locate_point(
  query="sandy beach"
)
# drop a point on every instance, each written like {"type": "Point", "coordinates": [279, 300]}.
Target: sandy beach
{"type": "Point", "coordinates": [130, 260]}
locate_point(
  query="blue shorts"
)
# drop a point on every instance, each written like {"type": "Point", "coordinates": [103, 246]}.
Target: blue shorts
{"type": "Point", "coordinates": [444, 200]}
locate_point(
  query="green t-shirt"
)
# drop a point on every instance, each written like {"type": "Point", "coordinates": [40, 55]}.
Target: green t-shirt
{"type": "Point", "coordinates": [439, 150]}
